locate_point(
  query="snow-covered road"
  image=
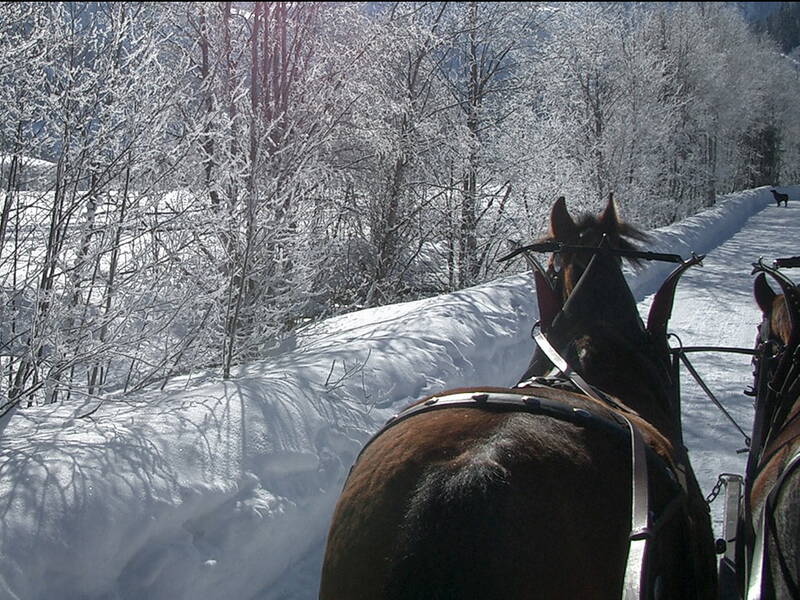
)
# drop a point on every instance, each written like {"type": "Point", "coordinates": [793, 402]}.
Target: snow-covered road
{"type": "Point", "coordinates": [714, 306]}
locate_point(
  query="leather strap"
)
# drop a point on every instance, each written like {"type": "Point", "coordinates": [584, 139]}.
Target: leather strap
{"type": "Point", "coordinates": [501, 401]}
{"type": "Point", "coordinates": [634, 583]}
{"type": "Point", "coordinates": [640, 524]}
{"type": "Point", "coordinates": [562, 366]}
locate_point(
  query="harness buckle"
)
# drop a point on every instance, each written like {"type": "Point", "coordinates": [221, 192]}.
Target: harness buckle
{"type": "Point", "coordinates": [644, 533]}
{"type": "Point", "coordinates": [532, 401]}
{"type": "Point", "coordinates": [581, 415]}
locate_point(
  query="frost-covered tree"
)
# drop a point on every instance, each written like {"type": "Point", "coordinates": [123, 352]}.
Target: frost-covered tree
{"type": "Point", "coordinates": [96, 96]}
{"type": "Point", "coordinates": [394, 149]}
{"type": "Point", "coordinates": [486, 75]}
{"type": "Point", "coordinates": [182, 185]}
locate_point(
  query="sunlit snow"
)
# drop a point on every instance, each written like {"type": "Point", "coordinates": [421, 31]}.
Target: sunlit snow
{"type": "Point", "coordinates": [223, 489]}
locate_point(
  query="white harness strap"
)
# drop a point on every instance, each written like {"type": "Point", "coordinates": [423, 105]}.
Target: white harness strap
{"type": "Point", "coordinates": [640, 524]}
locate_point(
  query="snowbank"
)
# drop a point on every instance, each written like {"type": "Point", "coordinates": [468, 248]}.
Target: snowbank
{"type": "Point", "coordinates": [699, 234]}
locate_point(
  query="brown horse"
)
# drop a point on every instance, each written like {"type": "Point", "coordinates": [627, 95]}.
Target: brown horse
{"type": "Point", "coordinates": [772, 492]}
{"type": "Point", "coordinates": [541, 491]}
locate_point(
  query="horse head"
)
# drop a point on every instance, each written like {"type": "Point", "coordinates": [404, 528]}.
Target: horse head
{"type": "Point", "coordinates": [775, 310]}
{"type": "Point", "coordinates": [590, 315]}
{"type": "Point", "coordinates": [568, 266]}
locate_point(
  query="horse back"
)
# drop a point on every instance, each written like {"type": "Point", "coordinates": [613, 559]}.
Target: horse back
{"type": "Point", "coordinates": [468, 503]}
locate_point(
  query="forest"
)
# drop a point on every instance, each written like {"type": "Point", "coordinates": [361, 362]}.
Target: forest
{"type": "Point", "coordinates": [185, 186]}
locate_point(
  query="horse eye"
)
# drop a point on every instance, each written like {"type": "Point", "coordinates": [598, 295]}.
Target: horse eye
{"type": "Point", "coordinates": [556, 262]}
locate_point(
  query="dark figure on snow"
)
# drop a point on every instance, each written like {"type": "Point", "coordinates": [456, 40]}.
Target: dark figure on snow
{"type": "Point", "coordinates": [780, 198]}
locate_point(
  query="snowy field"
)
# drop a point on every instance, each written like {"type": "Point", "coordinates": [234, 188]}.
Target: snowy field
{"type": "Point", "coordinates": [223, 489]}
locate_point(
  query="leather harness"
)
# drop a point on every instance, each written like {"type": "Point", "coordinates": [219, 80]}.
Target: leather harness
{"type": "Point", "coordinates": [520, 399]}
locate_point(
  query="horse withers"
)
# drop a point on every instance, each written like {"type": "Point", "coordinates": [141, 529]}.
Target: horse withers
{"type": "Point", "coordinates": [551, 489]}
{"type": "Point", "coordinates": [772, 481]}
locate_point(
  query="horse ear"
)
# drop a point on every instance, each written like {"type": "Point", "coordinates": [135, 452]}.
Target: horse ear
{"type": "Point", "coordinates": [609, 219]}
{"type": "Point", "coordinates": [763, 293]}
{"type": "Point", "coordinates": [562, 227]}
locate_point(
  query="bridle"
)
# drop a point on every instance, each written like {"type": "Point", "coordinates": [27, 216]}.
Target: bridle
{"type": "Point", "coordinates": [603, 247]}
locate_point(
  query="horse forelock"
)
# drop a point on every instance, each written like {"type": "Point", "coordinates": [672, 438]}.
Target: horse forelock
{"type": "Point", "coordinates": [617, 229]}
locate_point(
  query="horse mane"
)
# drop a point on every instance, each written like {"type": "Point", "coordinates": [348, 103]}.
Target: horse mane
{"type": "Point", "coordinates": [623, 229]}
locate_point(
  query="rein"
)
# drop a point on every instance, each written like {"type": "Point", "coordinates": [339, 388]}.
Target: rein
{"type": "Point", "coordinates": [561, 247]}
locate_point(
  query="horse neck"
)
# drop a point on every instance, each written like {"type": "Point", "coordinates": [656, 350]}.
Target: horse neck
{"type": "Point", "coordinates": [618, 362]}
{"type": "Point", "coordinates": [786, 410]}
{"type": "Point", "coordinates": [624, 367]}
{"type": "Point", "coordinates": [781, 431]}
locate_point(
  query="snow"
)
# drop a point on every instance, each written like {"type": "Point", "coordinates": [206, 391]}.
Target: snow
{"type": "Point", "coordinates": [224, 489]}
{"type": "Point", "coordinates": [28, 161]}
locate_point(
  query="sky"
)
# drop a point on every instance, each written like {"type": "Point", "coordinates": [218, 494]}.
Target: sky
{"type": "Point", "coordinates": [224, 489]}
